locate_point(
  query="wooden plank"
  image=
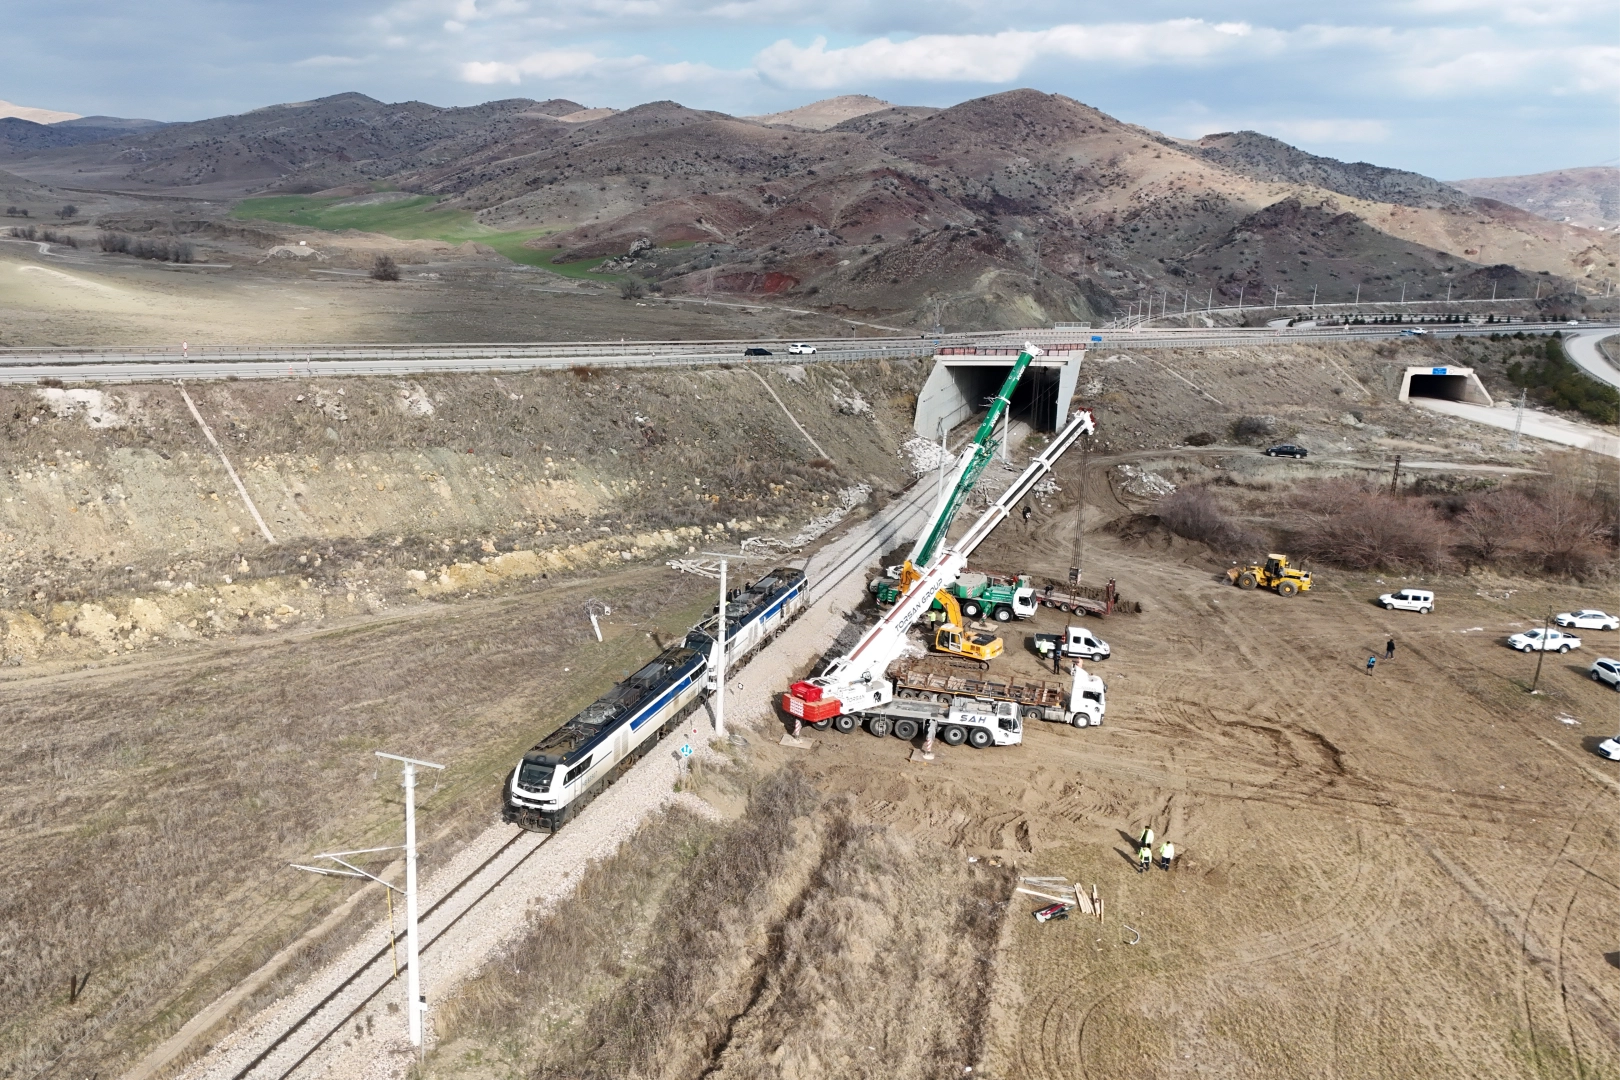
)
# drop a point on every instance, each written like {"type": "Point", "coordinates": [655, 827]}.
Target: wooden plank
{"type": "Point", "coordinates": [1081, 900]}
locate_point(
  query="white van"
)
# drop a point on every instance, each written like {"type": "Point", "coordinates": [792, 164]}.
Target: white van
{"type": "Point", "coordinates": [1408, 600]}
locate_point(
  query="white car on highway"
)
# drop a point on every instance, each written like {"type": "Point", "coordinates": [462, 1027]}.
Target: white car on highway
{"type": "Point", "coordinates": [1588, 619]}
{"type": "Point", "coordinates": [1544, 640]}
{"type": "Point", "coordinates": [1419, 600]}
{"type": "Point", "coordinates": [1605, 670]}
{"type": "Point", "coordinates": [798, 348]}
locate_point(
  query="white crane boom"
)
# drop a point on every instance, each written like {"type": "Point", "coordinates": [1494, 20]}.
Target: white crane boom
{"type": "Point", "coordinates": [858, 679]}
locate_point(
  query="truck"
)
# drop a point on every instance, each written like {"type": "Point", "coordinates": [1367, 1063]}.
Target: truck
{"type": "Point", "coordinates": [1000, 597]}
{"type": "Point", "coordinates": [1074, 598]}
{"type": "Point", "coordinates": [1075, 641]}
{"type": "Point", "coordinates": [978, 710]}
{"type": "Point", "coordinates": [857, 685]}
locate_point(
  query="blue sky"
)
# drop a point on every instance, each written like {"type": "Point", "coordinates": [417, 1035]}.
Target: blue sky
{"type": "Point", "coordinates": [1451, 88]}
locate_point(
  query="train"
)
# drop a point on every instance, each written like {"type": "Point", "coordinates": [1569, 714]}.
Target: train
{"type": "Point", "coordinates": [563, 772]}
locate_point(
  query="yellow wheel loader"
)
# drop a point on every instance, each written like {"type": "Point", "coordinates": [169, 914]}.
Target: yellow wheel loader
{"type": "Point", "coordinates": [1275, 574]}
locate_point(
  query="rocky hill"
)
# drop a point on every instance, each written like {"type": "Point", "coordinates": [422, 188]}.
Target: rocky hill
{"type": "Point", "coordinates": [1589, 197]}
{"type": "Point", "coordinates": [1012, 209]}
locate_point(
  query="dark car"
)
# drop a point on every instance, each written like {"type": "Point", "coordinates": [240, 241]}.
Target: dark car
{"type": "Point", "coordinates": [756, 352]}
{"type": "Point", "coordinates": [1286, 450]}
{"type": "Point", "coordinates": [1053, 911]}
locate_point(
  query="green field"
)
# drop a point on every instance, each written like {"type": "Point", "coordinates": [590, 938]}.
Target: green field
{"type": "Point", "coordinates": [414, 218]}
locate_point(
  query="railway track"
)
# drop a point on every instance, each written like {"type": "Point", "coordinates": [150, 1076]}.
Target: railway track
{"type": "Point", "coordinates": [295, 1038]}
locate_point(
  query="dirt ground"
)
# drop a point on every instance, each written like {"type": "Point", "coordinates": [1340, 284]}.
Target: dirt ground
{"type": "Point", "coordinates": [87, 298]}
{"type": "Point", "coordinates": [1408, 874]}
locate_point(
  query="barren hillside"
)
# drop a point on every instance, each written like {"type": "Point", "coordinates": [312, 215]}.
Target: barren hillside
{"type": "Point", "coordinates": [1015, 209]}
{"type": "Point", "coordinates": [1588, 197]}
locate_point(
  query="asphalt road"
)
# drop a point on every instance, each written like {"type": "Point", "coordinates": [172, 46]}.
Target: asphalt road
{"type": "Point", "coordinates": [152, 363]}
{"type": "Point", "coordinates": [1583, 349]}
{"type": "Point", "coordinates": [1537, 425]}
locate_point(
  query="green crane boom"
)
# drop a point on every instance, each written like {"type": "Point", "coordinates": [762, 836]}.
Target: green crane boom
{"type": "Point", "coordinates": [969, 464]}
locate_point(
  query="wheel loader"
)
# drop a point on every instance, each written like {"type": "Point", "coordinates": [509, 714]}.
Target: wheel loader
{"type": "Point", "coordinates": [1275, 574]}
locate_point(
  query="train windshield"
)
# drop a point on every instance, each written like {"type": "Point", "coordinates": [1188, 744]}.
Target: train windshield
{"type": "Point", "coordinates": [532, 776]}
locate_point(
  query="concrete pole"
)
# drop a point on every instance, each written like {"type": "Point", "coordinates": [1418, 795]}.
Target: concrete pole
{"type": "Point", "coordinates": [414, 1005]}
{"type": "Point", "coordinates": [720, 660]}
{"type": "Point", "coordinates": [1240, 298]}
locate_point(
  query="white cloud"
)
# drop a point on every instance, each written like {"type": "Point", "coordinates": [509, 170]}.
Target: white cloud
{"type": "Point", "coordinates": [325, 61]}
{"type": "Point", "coordinates": [1003, 57]}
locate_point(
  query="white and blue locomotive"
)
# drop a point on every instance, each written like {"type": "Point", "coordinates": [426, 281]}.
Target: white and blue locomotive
{"type": "Point", "coordinates": [567, 768]}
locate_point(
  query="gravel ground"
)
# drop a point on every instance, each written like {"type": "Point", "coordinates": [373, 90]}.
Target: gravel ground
{"type": "Point", "coordinates": [541, 871]}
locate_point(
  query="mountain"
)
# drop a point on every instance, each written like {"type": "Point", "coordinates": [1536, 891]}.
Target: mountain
{"type": "Point", "coordinates": [20, 137]}
{"type": "Point", "coordinates": [1589, 197]}
{"type": "Point", "coordinates": [298, 147]}
{"type": "Point", "coordinates": [1012, 209]}
{"type": "Point", "coordinates": [1260, 157]}
{"type": "Point", "coordinates": [38, 116]}
{"type": "Point", "coordinates": [821, 115]}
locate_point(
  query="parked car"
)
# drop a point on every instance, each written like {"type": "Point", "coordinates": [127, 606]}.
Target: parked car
{"type": "Point", "coordinates": [1544, 640]}
{"type": "Point", "coordinates": [1604, 669]}
{"type": "Point", "coordinates": [1418, 600]}
{"type": "Point", "coordinates": [1286, 450]}
{"type": "Point", "coordinates": [1609, 748]}
{"type": "Point", "coordinates": [1588, 619]}
{"type": "Point", "coordinates": [756, 352]}
{"type": "Point", "coordinates": [801, 349]}
{"type": "Point", "coordinates": [1053, 911]}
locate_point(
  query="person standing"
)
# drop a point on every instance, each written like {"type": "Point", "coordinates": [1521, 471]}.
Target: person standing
{"type": "Point", "coordinates": [1146, 839]}
{"type": "Point", "coordinates": [1167, 852]}
{"type": "Point", "coordinates": [1389, 649]}
{"type": "Point", "coordinates": [1144, 859]}
{"type": "Point", "coordinates": [1372, 662]}
{"type": "Point", "coordinates": [1057, 660]}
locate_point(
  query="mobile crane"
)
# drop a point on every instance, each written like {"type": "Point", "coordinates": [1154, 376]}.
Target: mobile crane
{"type": "Point", "coordinates": [858, 686]}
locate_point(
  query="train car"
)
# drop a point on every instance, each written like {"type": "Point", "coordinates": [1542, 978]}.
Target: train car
{"type": "Point", "coordinates": [566, 769]}
{"type": "Point", "coordinates": [753, 614]}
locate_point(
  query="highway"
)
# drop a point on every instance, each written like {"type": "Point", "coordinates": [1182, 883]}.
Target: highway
{"type": "Point", "coordinates": [1583, 349]}
{"type": "Point", "coordinates": [204, 362]}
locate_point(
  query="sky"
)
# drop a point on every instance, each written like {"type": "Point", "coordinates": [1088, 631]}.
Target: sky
{"type": "Point", "coordinates": [1449, 88]}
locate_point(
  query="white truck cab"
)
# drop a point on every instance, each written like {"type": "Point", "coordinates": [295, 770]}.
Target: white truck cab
{"type": "Point", "coordinates": [1075, 641]}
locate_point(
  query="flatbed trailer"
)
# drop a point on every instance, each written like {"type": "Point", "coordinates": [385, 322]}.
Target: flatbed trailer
{"type": "Point", "coordinates": [915, 680]}
{"type": "Point", "coordinates": [1085, 599]}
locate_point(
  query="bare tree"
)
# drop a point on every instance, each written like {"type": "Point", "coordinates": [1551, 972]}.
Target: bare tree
{"type": "Point", "coordinates": [67, 211]}
{"type": "Point", "coordinates": [384, 268]}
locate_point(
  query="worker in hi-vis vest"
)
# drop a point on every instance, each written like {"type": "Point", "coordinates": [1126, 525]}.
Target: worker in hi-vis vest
{"type": "Point", "coordinates": [1167, 852]}
{"type": "Point", "coordinates": [1147, 837]}
{"type": "Point", "coordinates": [1144, 859]}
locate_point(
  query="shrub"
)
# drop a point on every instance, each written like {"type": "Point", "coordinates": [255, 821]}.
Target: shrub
{"type": "Point", "coordinates": [1194, 514]}
{"type": "Point", "coordinates": [23, 232]}
{"type": "Point", "coordinates": [1248, 429]}
{"type": "Point", "coordinates": [1201, 438]}
{"type": "Point", "coordinates": [632, 289]}
{"type": "Point", "coordinates": [1351, 525]}
{"type": "Point", "coordinates": [161, 250]}
{"type": "Point", "coordinates": [384, 268]}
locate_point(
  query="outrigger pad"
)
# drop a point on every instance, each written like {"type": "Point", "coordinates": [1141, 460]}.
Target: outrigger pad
{"type": "Point", "coordinates": [798, 744]}
{"type": "Point", "coordinates": [920, 755]}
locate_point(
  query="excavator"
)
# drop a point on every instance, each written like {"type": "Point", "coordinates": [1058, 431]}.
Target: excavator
{"type": "Point", "coordinates": [952, 639]}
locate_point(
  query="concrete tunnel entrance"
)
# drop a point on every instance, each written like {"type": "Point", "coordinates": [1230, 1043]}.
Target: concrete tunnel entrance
{"type": "Point", "coordinates": [1444, 383]}
{"type": "Point", "coordinates": [962, 384]}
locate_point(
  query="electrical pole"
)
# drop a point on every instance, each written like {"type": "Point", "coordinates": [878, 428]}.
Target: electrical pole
{"type": "Point", "coordinates": [1403, 292]}
{"type": "Point", "coordinates": [1184, 301]}
{"type": "Point", "coordinates": [1518, 424]}
{"type": "Point", "coordinates": [1358, 294]}
{"type": "Point", "coordinates": [1275, 293]}
{"type": "Point", "coordinates": [1313, 299]}
{"type": "Point", "coordinates": [1395, 477]}
{"type": "Point", "coordinates": [1493, 292]}
{"type": "Point", "coordinates": [720, 660]}
{"type": "Point", "coordinates": [1209, 305]}
{"type": "Point", "coordinates": [1541, 653]}
{"type": "Point", "coordinates": [415, 1005]}
{"type": "Point", "coordinates": [1240, 299]}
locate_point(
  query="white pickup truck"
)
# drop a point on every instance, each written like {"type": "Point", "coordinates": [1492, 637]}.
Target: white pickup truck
{"type": "Point", "coordinates": [1074, 641]}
